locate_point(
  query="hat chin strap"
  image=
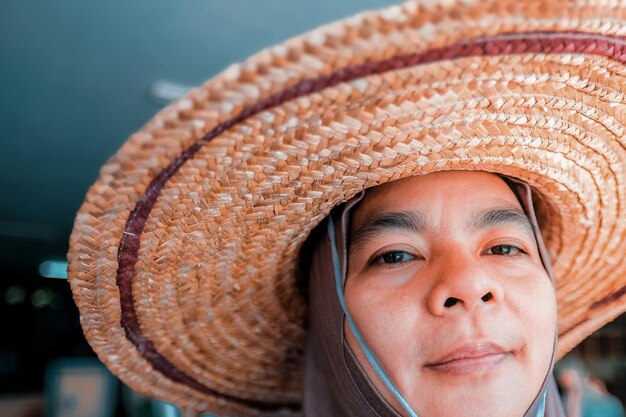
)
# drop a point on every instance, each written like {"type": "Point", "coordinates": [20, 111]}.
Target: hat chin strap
{"type": "Point", "coordinates": [371, 357]}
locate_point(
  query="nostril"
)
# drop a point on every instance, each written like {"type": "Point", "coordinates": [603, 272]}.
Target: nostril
{"type": "Point", "coordinates": [450, 302]}
{"type": "Point", "coordinates": [487, 297]}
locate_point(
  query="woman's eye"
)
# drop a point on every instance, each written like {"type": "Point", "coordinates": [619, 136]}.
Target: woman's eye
{"type": "Point", "coordinates": [393, 257]}
{"type": "Point", "coordinates": [504, 250]}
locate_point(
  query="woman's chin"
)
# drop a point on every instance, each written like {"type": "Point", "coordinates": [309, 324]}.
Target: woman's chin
{"type": "Point", "coordinates": [493, 407]}
{"type": "Point", "coordinates": [483, 394]}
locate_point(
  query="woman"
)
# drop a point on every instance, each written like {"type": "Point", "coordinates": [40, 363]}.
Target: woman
{"type": "Point", "coordinates": [448, 291]}
{"type": "Point", "coordinates": [429, 292]}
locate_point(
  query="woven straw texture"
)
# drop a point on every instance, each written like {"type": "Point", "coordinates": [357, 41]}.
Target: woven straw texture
{"type": "Point", "coordinates": [184, 254]}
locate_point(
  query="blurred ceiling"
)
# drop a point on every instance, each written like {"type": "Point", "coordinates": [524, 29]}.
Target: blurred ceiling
{"type": "Point", "coordinates": [77, 78]}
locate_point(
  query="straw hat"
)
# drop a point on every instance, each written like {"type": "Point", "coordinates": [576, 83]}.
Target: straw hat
{"type": "Point", "coordinates": [184, 254]}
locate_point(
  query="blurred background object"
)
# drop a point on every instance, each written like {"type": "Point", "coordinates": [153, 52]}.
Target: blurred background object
{"type": "Point", "coordinates": [78, 387]}
{"type": "Point", "coordinates": [76, 79]}
{"type": "Point", "coordinates": [592, 378]}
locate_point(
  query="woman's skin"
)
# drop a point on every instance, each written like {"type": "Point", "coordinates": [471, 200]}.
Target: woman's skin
{"type": "Point", "coordinates": [447, 286]}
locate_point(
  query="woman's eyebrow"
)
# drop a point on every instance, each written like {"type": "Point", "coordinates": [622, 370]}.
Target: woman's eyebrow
{"type": "Point", "coordinates": [412, 221]}
{"type": "Point", "coordinates": [500, 216]}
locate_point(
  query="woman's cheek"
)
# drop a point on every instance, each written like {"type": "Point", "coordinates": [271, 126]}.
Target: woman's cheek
{"type": "Point", "coordinates": [383, 314]}
{"type": "Point", "coordinates": [538, 316]}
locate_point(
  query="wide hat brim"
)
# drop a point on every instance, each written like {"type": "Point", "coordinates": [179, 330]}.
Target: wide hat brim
{"type": "Point", "coordinates": [184, 254]}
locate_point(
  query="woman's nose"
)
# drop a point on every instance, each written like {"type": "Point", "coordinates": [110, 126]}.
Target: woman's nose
{"type": "Point", "coordinates": [463, 284]}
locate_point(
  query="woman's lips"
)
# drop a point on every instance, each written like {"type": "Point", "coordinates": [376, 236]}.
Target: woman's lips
{"type": "Point", "coordinates": [469, 358]}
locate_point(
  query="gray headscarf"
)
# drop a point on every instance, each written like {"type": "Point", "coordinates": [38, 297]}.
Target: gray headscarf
{"type": "Point", "coordinates": [335, 383]}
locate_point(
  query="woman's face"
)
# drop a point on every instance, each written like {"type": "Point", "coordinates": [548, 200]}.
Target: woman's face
{"type": "Point", "coordinates": [447, 286]}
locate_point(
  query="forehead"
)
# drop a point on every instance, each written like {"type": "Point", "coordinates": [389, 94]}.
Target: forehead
{"type": "Point", "coordinates": [437, 194]}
